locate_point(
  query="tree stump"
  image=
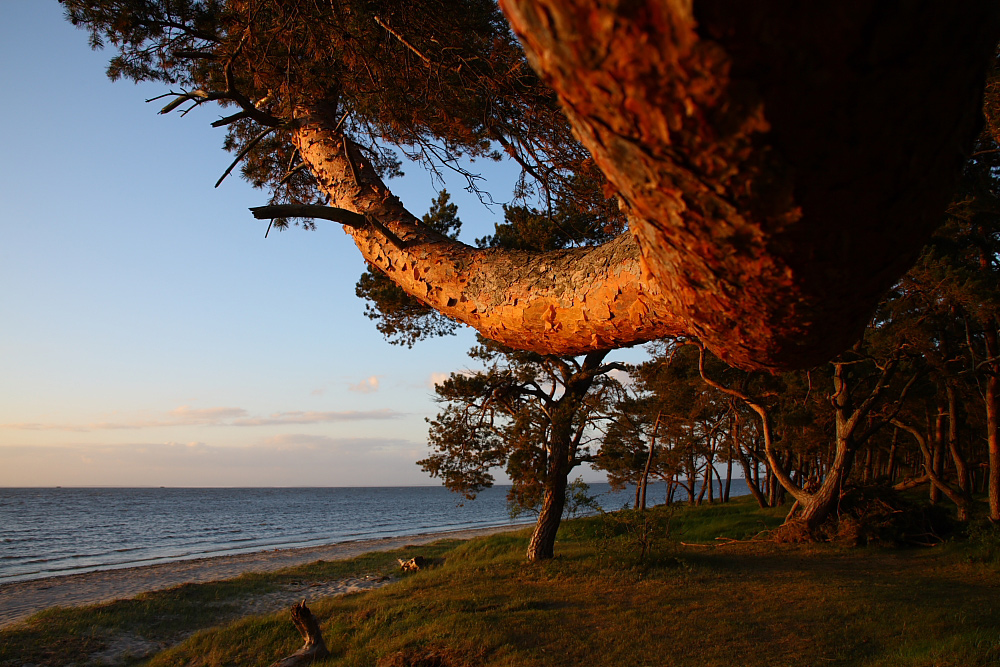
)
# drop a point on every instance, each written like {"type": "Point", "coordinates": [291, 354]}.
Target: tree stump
{"type": "Point", "coordinates": [314, 647]}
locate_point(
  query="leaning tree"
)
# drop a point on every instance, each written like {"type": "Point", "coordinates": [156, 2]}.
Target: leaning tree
{"type": "Point", "coordinates": [779, 165]}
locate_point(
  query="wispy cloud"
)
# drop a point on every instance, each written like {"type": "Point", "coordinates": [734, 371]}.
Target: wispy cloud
{"type": "Point", "coordinates": [219, 416]}
{"type": "Point", "coordinates": [366, 386]}
{"type": "Point", "coordinates": [317, 417]}
{"type": "Point", "coordinates": [188, 415]}
{"type": "Point", "coordinates": [282, 460]}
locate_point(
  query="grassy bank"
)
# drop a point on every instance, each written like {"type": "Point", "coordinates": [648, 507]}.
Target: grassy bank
{"type": "Point", "coordinates": [624, 590]}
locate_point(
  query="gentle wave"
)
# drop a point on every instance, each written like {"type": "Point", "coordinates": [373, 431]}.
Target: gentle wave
{"type": "Point", "coordinates": [54, 532]}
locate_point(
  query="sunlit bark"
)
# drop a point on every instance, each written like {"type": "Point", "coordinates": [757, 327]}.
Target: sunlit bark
{"type": "Point", "coordinates": [780, 167]}
{"type": "Point", "coordinates": [781, 164]}
{"type": "Point", "coordinates": [563, 302]}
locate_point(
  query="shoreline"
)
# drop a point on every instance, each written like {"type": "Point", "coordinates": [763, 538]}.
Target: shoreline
{"type": "Point", "coordinates": [21, 599]}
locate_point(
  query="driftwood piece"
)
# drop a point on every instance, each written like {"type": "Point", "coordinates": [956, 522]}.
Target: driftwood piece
{"type": "Point", "coordinates": [314, 647]}
{"type": "Point", "coordinates": [412, 565]}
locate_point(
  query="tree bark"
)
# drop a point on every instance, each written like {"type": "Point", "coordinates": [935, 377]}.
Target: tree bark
{"type": "Point", "coordinates": [314, 647]}
{"type": "Point", "coordinates": [641, 504]}
{"type": "Point", "coordinates": [891, 464]}
{"type": "Point", "coordinates": [765, 157]}
{"type": "Point", "coordinates": [957, 456]}
{"type": "Point", "coordinates": [937, 456]}
{"type": "Point", "coordinates": [565, 302]}
{"type": "Point", "coordinates": [752, 478]}
{"type": "Point", "coordinates": [993, 435]}
{"type": "Point", "coordinates": [962, 502]}
{"type": "Point", "coordinates": [815, 510]}
{"type": "Point", "coordinates": [764, 151]}
{"type": "Point", "coordinates": [541, 545]}
{"type": "Point", "coordinates": [729, 474]}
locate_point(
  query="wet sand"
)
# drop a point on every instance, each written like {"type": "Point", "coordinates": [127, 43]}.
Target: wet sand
{"type": "Point", "coordinates": [21, 599]}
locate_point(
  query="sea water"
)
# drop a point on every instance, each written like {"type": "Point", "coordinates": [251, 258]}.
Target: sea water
{"type": "Point", "coordinates": [48, 532]}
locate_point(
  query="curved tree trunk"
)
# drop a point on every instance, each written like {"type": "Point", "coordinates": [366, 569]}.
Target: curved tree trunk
{"type": "Point", "coordinates": [781, 165]}
{"type": "Point", "coordinates": [962, 501]}
{"type": "Point", "coordinates": [541, 545]}
{"type": "Point", "coordinates": [992, 399]}
{"type": "Point", "coordinates": [819, 505]}
{"type": "Point", "coordinates": [565, 302]}
{"type": "Point", "coordinates": [644, 480]}
{"type": "Point", "coordinates": [774, 185]}
{"type": "Point", "coordinates": [957, 456]}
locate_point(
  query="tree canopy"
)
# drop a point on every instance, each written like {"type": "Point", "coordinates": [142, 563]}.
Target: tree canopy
{"type": "Point", "coordinates": [779, 167]}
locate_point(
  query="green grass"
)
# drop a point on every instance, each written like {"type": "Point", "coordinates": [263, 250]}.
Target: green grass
{"type": "Point", "coordinates": [600, 602]}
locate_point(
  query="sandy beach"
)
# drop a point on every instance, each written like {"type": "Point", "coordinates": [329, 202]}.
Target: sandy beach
{"type": "Point", "coordinates": [21, 599]}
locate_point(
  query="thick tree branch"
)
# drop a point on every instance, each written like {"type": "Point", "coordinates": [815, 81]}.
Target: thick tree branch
{"type": "Point", "coordinates": [564, 302]}
{"type": "Point", "coordinates": [781, 165]}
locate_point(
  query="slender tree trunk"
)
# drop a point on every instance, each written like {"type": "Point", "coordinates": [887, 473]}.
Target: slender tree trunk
{"type": "Point", "coordinates": [541, 546]}
{"type": "Point", "coordinates": [991, 397]}
{"type": "Point", "coordinates": [729, 474]}
{"type": "Point", "coordinates": [649, 463]}
{"type": "Point", "coordinates": [993, 440]}
{"type": "Point", "coordinates": [692, 479]}
{"type": "Point", "coordinates": [543, 538]}
{"type": "Point", "coordinates": [756, 466]}
{"type": "Point", "coordinates": [710, 471]}
{"type": "Point", "coordinates": [961, 500]}
{"type": "Point", "coordinates": [772, 490]}
{"type": "Point", "coordinates": [752, 478]}
{"type": "Point", "coordinates": [957, 456]}
{"type": "Point", "coordinates": [890, 466]}
{"type": "Point", "coordinates": [937, 454]}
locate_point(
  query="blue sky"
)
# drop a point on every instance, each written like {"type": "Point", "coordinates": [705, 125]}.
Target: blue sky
{"type": "Point", "coordinates": [150, 334]}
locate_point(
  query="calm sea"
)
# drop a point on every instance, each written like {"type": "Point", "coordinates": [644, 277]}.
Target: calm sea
{"type": "Point", "coordinates": [50, 532]}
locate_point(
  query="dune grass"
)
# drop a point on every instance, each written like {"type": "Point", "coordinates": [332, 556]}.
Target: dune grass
{"type": "Point", "coordinates": [622, 591]}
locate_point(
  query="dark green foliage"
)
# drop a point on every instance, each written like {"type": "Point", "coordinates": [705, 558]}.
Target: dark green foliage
{"type": "Point", "coordinates": [526, 228]}
{"type": "Point", "coordinates": [434, 79]}
{"type": "Point", "coordinates": [401, 318]}
{"type": "Point", "coordinates": [515, 413]}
